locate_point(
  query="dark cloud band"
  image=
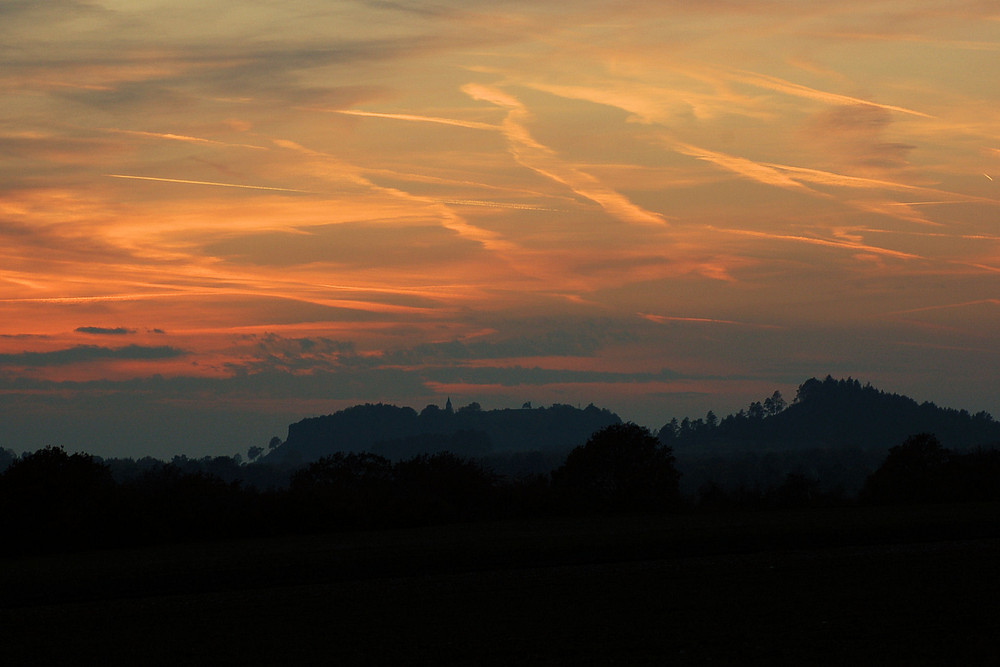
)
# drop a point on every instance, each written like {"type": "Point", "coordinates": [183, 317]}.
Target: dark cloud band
{"type": "Point", "coordinates": [85, 353]}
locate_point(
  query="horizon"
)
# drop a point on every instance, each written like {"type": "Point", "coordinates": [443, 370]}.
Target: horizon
{"type": "Point", "coordinates": [653, 426]}
{"type": "Point", "coordinates": [216, 222]}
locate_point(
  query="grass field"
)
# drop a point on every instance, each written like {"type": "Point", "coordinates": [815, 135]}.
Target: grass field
{"type": "Point", "coordinates": [831, 586]}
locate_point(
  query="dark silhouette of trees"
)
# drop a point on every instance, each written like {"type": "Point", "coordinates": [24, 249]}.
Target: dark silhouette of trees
{"type": "Point", "coordinates": [443, 488]}
{"type": "Point", "coordinates": [774, 404]}
{"type": "Point", "coordinates": [170, 504]}
{"type": "Point", "coordinates": [55, 500]}
{"type": "Point", "coordinates": [7, 456]}
{"type": "Point", "coordinates": [921, 470]}
{"type": "Point", "coordinates": [443, 466]}
{"type": "Point", "coordinates": [912, 472]}
{"type": "Point", "coordinates": [622, 467]}
{"type": "Point", "coordinates": [345, 489]}
{"type": "Point", "coordinates": [363, 489]}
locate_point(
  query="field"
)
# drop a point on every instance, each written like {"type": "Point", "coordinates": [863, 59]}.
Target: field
{"type": "Point", "coordinates": [830, 586]}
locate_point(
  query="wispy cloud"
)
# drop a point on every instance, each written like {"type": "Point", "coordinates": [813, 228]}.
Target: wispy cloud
{"type": "Point", "coordinates": [797, 90]}
{"type": "Point", "coordinates": [663, 319]}
{"type": "Point", "coordinates": [948, 306]}
{"type": "Point", "coordinates": [830, 243]}
{"type": "Point", "coordinates": [113, 331]}
{"type": "Point", "coordinates": [472, 125]}
{"type": "Point", "coordinates": [183, 138]}
{"type": "Point", "coordinates": [221, 185]}
{"type": "Point", "coordinates": [760, 172]}
{"type": "Point", "coordinates": [543, 160]}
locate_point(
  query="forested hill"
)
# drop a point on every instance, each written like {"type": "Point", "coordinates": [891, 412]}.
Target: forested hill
{"type": "Point", "coordinates": [830, 414]}
{"type": "Point", "coordinates": [400, 432]}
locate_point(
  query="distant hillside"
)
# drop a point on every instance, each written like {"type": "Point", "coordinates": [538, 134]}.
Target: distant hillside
{"type": "Point", "coordinates": [832, 414]}
{"type": "Point", "coordinates": [834, 434]}
{"type": "Point", "coordinates": [400, 432]}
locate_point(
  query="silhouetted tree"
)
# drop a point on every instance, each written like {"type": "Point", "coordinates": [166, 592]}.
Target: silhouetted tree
{"type": "Point", "coordinates": [254, 452]}
{"type": "Point", "coordinates": [52, 499]}
{"type": "Point", "coordinates": [622, 467]}
{"type": "Point", "coordinates": [912, 472]}
{"type": "Point", "coordinates": [7, 456]}
{"type": "Point", "coordinates": [774, 404]}
{"type": "Point", "coordinates": [430, 411]}
{"type": "Point", "coordinates": [442, 487]}
{"type": "Point", "coordinates": [343, 489]}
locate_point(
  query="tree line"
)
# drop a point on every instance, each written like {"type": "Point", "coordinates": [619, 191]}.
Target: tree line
{"type": "Point", "coordinates": [56, 501]}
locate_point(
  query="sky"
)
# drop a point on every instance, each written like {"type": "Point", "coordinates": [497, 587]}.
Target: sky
{"type": "Point", "coordinates": [219, 218]}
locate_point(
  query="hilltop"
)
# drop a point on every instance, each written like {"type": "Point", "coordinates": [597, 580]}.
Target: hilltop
{"type": "Point", "coordinates": [400, 432]}
{"type": "Point", "coordinates": [830, 414]}
{"type": "Point", "coordinates": [833, 434]}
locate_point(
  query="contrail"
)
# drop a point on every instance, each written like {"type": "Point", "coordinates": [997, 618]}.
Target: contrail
{"type": "Point", "coordinates": [660, 319]}
{"type": "Point", "coordinates": [495, 204]}
{"type": "Point", "coordinates": [183, 137]}
{"type": "Point", "coordinates": [473, 125]}
{"type": "Point", "coordinates": [221, 185]}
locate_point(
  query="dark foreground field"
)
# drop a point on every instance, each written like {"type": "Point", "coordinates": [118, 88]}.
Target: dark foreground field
{"type": "Point", "coordinates": [838, 586]}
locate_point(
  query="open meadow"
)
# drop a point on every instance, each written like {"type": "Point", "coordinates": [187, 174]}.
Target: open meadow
{"type": "Point", "coordinates": [823, 586]}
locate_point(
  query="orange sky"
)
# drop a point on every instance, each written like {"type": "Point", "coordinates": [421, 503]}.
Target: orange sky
{"type": "Point", "coordinates": [215, 220]}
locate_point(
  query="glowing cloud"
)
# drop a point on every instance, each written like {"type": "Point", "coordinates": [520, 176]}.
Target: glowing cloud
{"type": "Point", "coordinates": [543, 160]}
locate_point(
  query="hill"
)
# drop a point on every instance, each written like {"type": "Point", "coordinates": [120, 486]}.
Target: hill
{"type": "Point", "coordinates": [834, 434]}
{"type": "Point", "coordinates": [832, 414]}
{"type": "Point", "coordinates": [400, 432]}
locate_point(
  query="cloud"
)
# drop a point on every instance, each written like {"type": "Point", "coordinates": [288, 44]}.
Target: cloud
{"type": "Point", "coordinates": [116, 331]}
{"type": "Point", "coordinates": [530, 153]}
{"type": "Point", "coordinates": [349, 244]}
{"type": "Point", "coordinates": [183, 138]}
{"type": "Point", "coordinates": [847, 245]}
{"type": "Point", "coordinates": [787, 87]}
{"type": "Point", "coordinates": [756, 171]}
{"type": "Point", "coordinates": [87, 353]}
{"type": "Point", "coordinates": [468, 124]}
{"type": "Point", "coordinates": [853, 135]}
{"type": "Point", "coordinates": [510, 376]}
{"type": "Point", "coordinates": [664, 319]}
{"type": "Point", "coordinates": [310, 355]}
{"type": "Point", "coordinates": [221, 185]}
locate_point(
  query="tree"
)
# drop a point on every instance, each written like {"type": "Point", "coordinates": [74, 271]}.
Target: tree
{"type": "Point", "coordinates": [774, 404]}
{"type": "Point", "coordinates": [54, 499]}
{"type": "Point", "coordinates": [343, 489]}
{"type": "Point", "coordinates": [914, 471]}
{"type": "Point", "coordinates": [442, 487]}
{"type": "Point", "coordinates": [622, 467]}
{"type": "Point", "coordinates": [274, 443]}
{"type": "Point", "coordinates": [254, 452]}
